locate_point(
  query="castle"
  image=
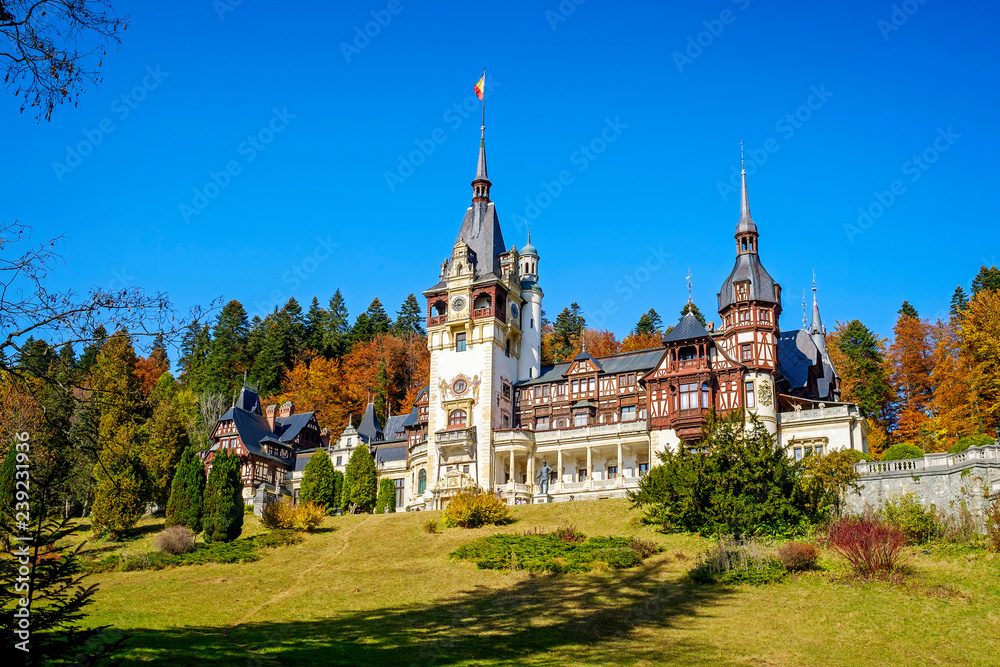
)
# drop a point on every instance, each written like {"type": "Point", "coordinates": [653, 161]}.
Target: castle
{"type": "Point", "coordinates": [492, 415]}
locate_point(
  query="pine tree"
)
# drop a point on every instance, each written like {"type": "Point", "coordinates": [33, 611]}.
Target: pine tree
{"type": "Point", "coordinates": [295, 337]}
{"type": "Point", "coordinates": [690, 307]}
{"type": "Point", "coordinates": [187, 492]}
{"type": "Point", "coordinates": [567, 331]}
{"type": "Point", "coordinates": [410, 319]}
{"type": "Point", "coordinates": [649, 323]}
{"type": "Point", "coordinates": [226, 360]}
{"type": "Point", "coordinates": [360, 481]}
{"type": "Point", "coordinates": [988, 278]}
{"type": "Point", "coordinates": [386, 502]}
{"type": "Point", "coordinates": [316, 324]}
{"type": "Point", "coordinates": [338, 488]}
{"type": "Point", "coordinates": [958, 301]}
{"type": "Point", "coordinates": [90, 352]}
{"type": "Point", "coordinates": [338, 327]}
{"type": "Point", "coordinates": [318, 482]}
{"type": "Point", "coordinates": [859, 356]}
{"type": "Point", "coordinates": [223, 505]}
{"type": "Point", "coordinates": [908, 310]}
{"type": "Point", "coordinates": [269, 363]}
{"type": "Point", "coordinates": [194, 355]}
{"type": "Point", "coordinates": [371, 323]}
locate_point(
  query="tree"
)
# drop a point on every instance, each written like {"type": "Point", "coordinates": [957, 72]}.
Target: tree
{"type": "Point", "coordinates": [410, 319]}
{"type": "Point", "coordinates": [318, 387]}
{"type": "Point", "coordinates": [737, 481]}
{"type": "Point", "coordinates": [567, 331]}
{"type": "Point", "coordinates": [193, 359]}
{"type": "Point", "coordinates": [827, 479]}
{"type": "Point", "coordinates": [634, 343]}
{"type": "Point", "coordinates": [979, 331]}
{"type": "Point", "coordinates": [649, 323]}
{"type": "Point", "coordinates": [958, 301]}
{"type": "Point", "coordinates": [955, 403]}
{"type": "Point", "coordinates": [371, 323]}
{"type": "Point", "coordinates": [911, 360]}
{"type": "Point", "coordinates": [187, 492]}
{"type": "Point", "coordinates": [316, 325]}
{"type": "Point", "coordinates": [318, 483]}
{"type": "Point", "coordinates": [988, 278]}
{"type": "Point", "coordinates": [337, 327]}
{"type": "Point", "coordinates": [359, 482]}
{"type": "Point", "coordinates": [164, 439]}
{"type": "Point", "coordinates": [223, 505]}
{"type": "Point", "coordinates": [272, 337]}
{"type": "Point", "coordinates": [90, 352]}
{"type": "Point", "coordinates": [908, 310]}
{"type": "Point", "coordinates": [54, 49]}
{"type": "Point", "coordinates": [226, 361]}
{"type": "Point", "coordinates": [123, 488]}
{"type": "Point", "coordinates": [152, 367]}
{"type": "Point", "coordinates": [859, 355]}
{"type": "Point", "coordinates": [386, 503]}
{"type": "Point", "coordinates": [338, 488]}
{"type": "Point", "coordinates": [689, 307]}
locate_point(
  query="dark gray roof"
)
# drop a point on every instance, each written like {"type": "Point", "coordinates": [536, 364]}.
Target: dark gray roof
{"type": "Point", "coordinates": [369, 428]}
{"type": "Point", "coordinates": [289, 427]}
{"type": "Point", "coordinates": [248, 400]}
{"type": "Point", "coordinates": [746, 223]}
{"type": "Point", "coordinates": [586, 356]}
{"type": "Point", "coordinates": [627, 362]}
{"type": "Point", "coordinates": [393, 428]}
{"type": "Point", "coordinates": [748, 268]}
{"type": "Point", "coordinates": [688, 327]}
{"type": "Point", "coordinates": [394, 453]}
{"type": "Point", "coordinates": [252, 429]}
{"type": "Point", "coordinates": [584, 404]}
{"type": "Point", "coordinates": [796, 354]}
{"type": "Point", "coordinates": [481, 232]}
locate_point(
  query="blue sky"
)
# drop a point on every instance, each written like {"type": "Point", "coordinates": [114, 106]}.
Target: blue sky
{"type": "Point", "coordinates": [310, 208]}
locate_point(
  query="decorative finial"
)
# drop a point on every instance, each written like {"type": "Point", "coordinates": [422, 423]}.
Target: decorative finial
{"type": "Point", "coordinates": [689, 284]}
{"type": "Point", "coordinates": [583, 339]}
{"type": "Point", "coordinates": [804, 323]}
{"type": "Point", "coordinates": [742, 166]}
{"type": "Point", "coordinates": [814, 280]}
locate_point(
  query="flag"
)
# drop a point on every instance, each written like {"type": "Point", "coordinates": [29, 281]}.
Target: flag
{"type": "Point", "coordinates": [480, 86]}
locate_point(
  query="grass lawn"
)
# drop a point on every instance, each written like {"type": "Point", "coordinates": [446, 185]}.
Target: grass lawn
{"type": "Point", "coordinates": [378, 590]}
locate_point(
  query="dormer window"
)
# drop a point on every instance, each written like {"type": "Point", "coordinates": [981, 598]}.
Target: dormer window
{"type": "Point", "coordinates": [742, 291]}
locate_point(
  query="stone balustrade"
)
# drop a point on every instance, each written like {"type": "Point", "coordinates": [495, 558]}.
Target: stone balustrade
{"type": "Point", "coordinates": [793, 416]}
{"type": "Point", "coordinates": [941, 462]}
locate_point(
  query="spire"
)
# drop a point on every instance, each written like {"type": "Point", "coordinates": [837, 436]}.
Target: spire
{"type": "Point", "coordinates": [816, 326]}
{"type": "Point", "coordinates": [805, 323]}
{"type": "Point", "coordinates": [481, 186]}
{"type": "Point", "coordinates": [746, 223]}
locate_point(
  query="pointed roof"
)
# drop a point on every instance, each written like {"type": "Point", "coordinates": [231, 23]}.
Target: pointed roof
{"type": "Point", "coordinates": [689, 327]}
{"type": "Point", "coordinates": [369, 428]}
{"type": "Point", "coordinates": [481, 164]}
{"type": "Point", "coordinates": [529, 249]}
{"type": "Point", "coordinates": [816, 326]}
{"type": "Point", "coordinates": [248, 400]}
{"type": "Point", "coordinates": [746, 223]}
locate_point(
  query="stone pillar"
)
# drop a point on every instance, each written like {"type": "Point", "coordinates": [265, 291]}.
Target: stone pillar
{"type": "Point", "coordinates": [590, 467]}
{"type": "Point", "coordinates": [559, 467]}
{"type": "Point", "coordinates": [512, 466]}
{"type": "Point", "coordinates": [530, 469]}
{"type": "Point", "coordinates": [621, 468]}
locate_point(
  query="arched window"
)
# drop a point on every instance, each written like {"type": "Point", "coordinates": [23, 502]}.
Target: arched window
{"type": "Point", "coordinates": [421, 482]}
{"type": "Point", "coordinates": [482, 301]}
{"type": "Point", "coordinates": [705, 396]}
{"type": "Point", "coordinates": [457, 418]}
{"type": "Point", "coordinates": [744, 244]}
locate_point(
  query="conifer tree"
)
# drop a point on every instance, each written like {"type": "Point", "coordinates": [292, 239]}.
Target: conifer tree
{"type": "Point", "coordinates": [649, 323]}
{"type": "Point", "coordinates": [338, 488]}
{"type": "Point", "coordinates": [295, 333]}
{"type": "Point", "coordinates": [223, 505]}
{"type": "Point", "coordinates": [371, 323]}
{"type": "Point", "coordinates": [194, 355]}
{"type": "Point", "coordinates": [90, 352]}
{"type": "Point", "coordinates": [338, 327]}
{"type": "Point", "coordinates": [958, 301]}
{"type": "Point", "coordinates": [386, 502]}
{"type": "Point", "coordinates": [908, 310]}
{"type": "Point", "coordinates": [988, 278]}
{"type": "Point", "coordinates": [318, 481]}
{"type": "Point", "coordinates": [567, 331]}
{"type": "Point", "coordinates": [859, 355]}
{"type": "Point", "coordinates": [164, 440]}
{"type": "Point", "coordinates": [226, 360]}
{"type": "Point", "coordinates": [187, 492]}
{"type": "Point", "coordinates": [316, 325]}
{"type": "Point", "coordinates": [410, 319]}
{"type": "Point", "coordinates": [269, 362]}
{"type": "Point", "coordinates": [690, 307]}
{"type": "Point", "coordinates": [360, 481]}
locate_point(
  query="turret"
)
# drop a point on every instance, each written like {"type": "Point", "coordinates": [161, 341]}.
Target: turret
{"type": "Point", "coordinates": [530, 362]}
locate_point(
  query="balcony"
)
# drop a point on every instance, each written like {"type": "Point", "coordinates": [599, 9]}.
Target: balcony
{"type": "Point", "coordinates": [688, 365]}
{"type": "Point", "coordinates": [437, 320]}
{"type": "Point", "coordinates": [482, 312]}
{"type": "Point", "coordinates": [586, 432]}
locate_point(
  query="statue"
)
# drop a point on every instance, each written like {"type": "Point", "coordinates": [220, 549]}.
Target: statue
{"type": "Point", "coordinates": [542, 478]}
{"type": "Point", "coordinates": [475, 388]}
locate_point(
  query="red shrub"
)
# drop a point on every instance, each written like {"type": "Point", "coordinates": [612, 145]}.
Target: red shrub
{"type": "Point", "coordinates": [798, 556]}
{"type": "Point", "coordinates": [871, 547]}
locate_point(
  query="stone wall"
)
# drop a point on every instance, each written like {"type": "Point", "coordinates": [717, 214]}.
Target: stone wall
{"type": "Point", "coordinates": [946, 481]}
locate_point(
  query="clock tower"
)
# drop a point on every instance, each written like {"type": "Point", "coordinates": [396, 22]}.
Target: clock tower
{"type": "Point", "coordinates": [474, 334]}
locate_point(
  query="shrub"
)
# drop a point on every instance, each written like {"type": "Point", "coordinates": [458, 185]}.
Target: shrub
{"type": "Point", "coordinates": [902, 450]}
{"type": "Point", "coordinates": [570, 534]}
{"type": "Point", "coordinates": [360, 482]}
{"type": "Point", "coordinates": [798, 556]}
{"type": "Point", "coordinates": [643, 548]}
{"type": "Point", "coordinates": [992, 515]}
{"type": "Point", "coordinates": [906, 513]}
{"type": "Point", "coordinates": [871, 547]}
{"type": "Point", "coordinates": [318, 482]}
{"type": "Point", "coordinates": [175, 540]}
{"type": "Point", "coordinates": [978, 440]}
{"type": "Point", "coordinates": [431, 526]}
{"type": "Point", "coordinates": [472, 510]}
{"type": "Point", "coordinates": [277, 538]}
{"type": "Point", "coordinates": [277, 515]}
{"type": "Point", "coordinates": [736, 561]}
{"type": "Point", "coordinates": [386, 502]}
{"type": "Point", "coordinates": [308, 516]}
{"type": "Point", "coordinates": [957, 528]}
{"type": "Point", "coordinates": [548, 552]}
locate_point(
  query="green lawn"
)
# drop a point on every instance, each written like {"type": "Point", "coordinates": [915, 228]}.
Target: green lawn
{"type": "Point", "coordinates": [378, 590]}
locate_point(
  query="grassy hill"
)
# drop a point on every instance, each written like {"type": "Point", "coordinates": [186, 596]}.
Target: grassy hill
{"type": "Point", "coordinates": [379, 590]}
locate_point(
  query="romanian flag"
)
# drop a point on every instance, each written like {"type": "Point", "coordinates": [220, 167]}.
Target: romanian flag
{"type": "Point", "coordinates": [480, 86]}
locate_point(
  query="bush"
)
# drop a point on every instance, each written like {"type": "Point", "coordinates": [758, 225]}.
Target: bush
{"type": "Point", "coordinates": [798, 556]}
{"type": "Point", "coordinates": [431, 526]}
{"type": "Point", "coordinates": [978, 440]}
{"type": "Point", "coordinates": [308, 516]}
{"type": "Point", "coordinates": [175, 540]}
{"type": "Point", "coordinates": [735, 561]}
{"type": "Point", "coordinates": [278, 515]}
{"type": "Point", "coordinates": [223, 505]}
{"type": "Point", "coordinates": [958, 528]}
{"type": "Point", "coordinates": [992, 515]}
{"type": "Point", "coordinates": [277, 538]}
{"type": "Point", "coordinates": [570, 534]}
{"type": "Point", "coordinates": [919, 525]}
{"type": "Point", "coordinates": [643, 548]}
{"type": "Point", "coordinates": [386, 502]}
{"type": "Point", "coordinates": [548, 552]}
{"type": "Point", "coordinates": [318, 481]}
{"type": "Point", "coordinates": [902, 450]}
{"type": "Point", "coordinates": [871, 547]}
{"type": "Point", "coordinates": [187, 492]}
{"type": "Point", "coordinates": [472, 510]}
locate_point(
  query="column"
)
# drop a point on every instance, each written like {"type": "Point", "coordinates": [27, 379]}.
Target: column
{"type": "Point", "coordinates": [512, 466]}
{"type": "Point", "coordinates": [559, 467]}
{"type": "Point", "coordinates": [590, 468]}
{"type": "Point", "coordinates": [530, 469]}
{"type": "Point", "coordinates": [621, 468]}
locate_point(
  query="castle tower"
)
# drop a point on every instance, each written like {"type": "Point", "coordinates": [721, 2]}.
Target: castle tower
{"type": "Point", "coordinates": [530, 363]}
{"type": "Point", "coordinates": [474, 337]}
{"type": "Point", "coordinates": [827, 386]}
{"type": "Point", "coordinates": [750, 304]}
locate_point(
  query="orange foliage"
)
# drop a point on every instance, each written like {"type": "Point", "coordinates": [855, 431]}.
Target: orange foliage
{"type": "Point", "coordinates": [149, 370]}
{"type": "Point", "coordinates": [979, 330]}
{"type": "Point", "coordinates": [636, 342]}
{"type": "Point", "coordinates": [911, 361]}
{"type": "Point", "coordinates": [600, 343]}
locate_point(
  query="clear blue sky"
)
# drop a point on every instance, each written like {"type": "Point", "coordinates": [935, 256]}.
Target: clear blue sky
{"type": "Point", "coordinates": [657, 185]}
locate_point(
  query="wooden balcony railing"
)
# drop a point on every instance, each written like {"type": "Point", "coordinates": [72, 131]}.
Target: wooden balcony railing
{"type": "Point", "coordinates": [435, 320]}
{"type": "Point", "coordinates": [482, 312]}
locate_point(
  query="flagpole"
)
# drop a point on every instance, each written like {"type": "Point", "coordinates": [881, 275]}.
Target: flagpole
{"type": "Point", "coordinates": [483, 128]}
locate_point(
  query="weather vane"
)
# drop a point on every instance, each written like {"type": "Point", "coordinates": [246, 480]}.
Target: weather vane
{"type": "Point", "coordinates": [689, 284]}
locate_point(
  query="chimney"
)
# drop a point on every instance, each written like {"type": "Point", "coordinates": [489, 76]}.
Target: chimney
{"type": "Point", "coordinates": [710, 326]}
{"type": "Point", "coordinates": [286, 410]}
{"type": "Point", "coordinates": [269, 415]}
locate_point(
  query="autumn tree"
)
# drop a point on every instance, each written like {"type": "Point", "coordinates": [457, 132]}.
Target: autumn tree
{"type": "Point", "coordinates": [149, 369]}
{"type": "Point", "coordinates": [317, 386]}
{"type": "Point", "coordinates": [979, 331]}
{"type": "Point", "coordinates": [164, 439]}
{"type": "Point", "coordinates": [911, 362]}
{"type": "Point", "coordinates": [955, 404]}
{"type": "Point", "coordinates": [600, 343]}
{"type": "Point", "coordinates": [634, 343]}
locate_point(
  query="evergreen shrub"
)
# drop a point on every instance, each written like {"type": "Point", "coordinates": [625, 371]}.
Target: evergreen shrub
{"type": "Point", "coordinates": [472, 510]}
{"type": "Point", "coordinates": [902, 450]}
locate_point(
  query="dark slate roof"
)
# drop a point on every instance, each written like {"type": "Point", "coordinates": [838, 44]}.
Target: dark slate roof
{"type": "Point", "coordinates": [369, 428]}
{"type": "Point", "coordinates": [393, 428]}
{"type": "Point", "coordinates": [481, 232]}
{"type": "Point", "coordinates": [252, 429]}
{"type": "Point", "coordinates": [395, 453]}
{"type": "Point", "coordinates": [627, 362]}
{"type": "Point", "coordinates": [586, 356]}
{"type": "Point", "coordinates": [412, 419]}
{"type": "Point", "coordinates": [689, 327]}
{"type": "Point", "coordinates": [248, 400]}
{"type": "Point", "coordinates": [584, 404]}
{"type": "Point", "coordinates": [748, 268]}
{"type": "Point", "coordinates": [797, 353]}
{"type": "Point", "coordinates": [289, 427]}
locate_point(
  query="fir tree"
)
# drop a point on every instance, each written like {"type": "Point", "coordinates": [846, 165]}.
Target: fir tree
{"type": "Point", "coordinates": [371, 323]}
{"type": "Point", "coordinates": [649, 323]}
{"type": "Point", "coordinates": [410, 319]}
{"type": "Point", "coordinates": [690, 307]}
{"type": "Point", "coordinates": [864, 373]}
{"type": "Point", "coordinates": [194, 355]}
{"type": "Point", "coordinates": [226, 361]}
{"type": "Point", "coordinates": [959, 301]}
{"type": "Point", "coordinates": [90, 352]}
{"type": "Point", "coordinates": [269, 363]}
{"type": "Point", "coordinates": [338, 327]}
{"type": "Point", "coordinates": [223, 505]}
{"type": "Point", "coordinates": [908, 310]}
{"type": "Point", "coordinates": [988, 278]}
{"type": "Point", "coordinates": [295, 333]}
{"type": "Point", "coordinates": [567, 331]}
{"type": "Point", "coordinates": [158, 353]}
{"type": "Point", "coordinates": [338, 488]}
{"type": "Point", "coordinates": [187, 492]}
{"type": "Point", "coordinates": [316, 325]}
{"type": "Point", "coordinates": [318, 483]}
{"type": "Point", "coordinates": [360, 481]}
{"type": "Point", "coordinates": [386, 502]}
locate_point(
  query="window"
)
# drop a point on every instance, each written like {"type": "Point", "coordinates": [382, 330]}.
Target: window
{"type": "Point", "coordinates": [580, 419]}
{"type": "Point", "coordinates": [506, 390]}
{"type": "Point", "coordinates": [628, 380]}
{"type": "Point", "coordinates": [398, 484]}
{"type": "Point", "coordinates": [592, 383]}
{"type": "Point", "coordinates": [750, 395]}
{"type": "Point", "coordinates": [506, 421]}
{"type": "Point", "coordinates": [349, 442]}
{"type": "Point", "coordinates": [744, 316]}
{"type": "Point", "coordinates": [582, 475]}
{"type": "Point", "coordinates": [465, 469]}
{"type": "Point", "coordinates": [765, 316]}
{"type": "Point", "coordinates": [612, 472]}
{"type": "Point", "coordinates": [421, 482]}
{"type": "Point", "coordinates": [457, 418]}
{"type": "Point", "coordinates": [628, 413]}
{"type": "Point", "coordinates": [545, 390]}
{"type": "Point", "coordinates": [746, 352]}
{"type": "Point", "coordinates": [689, 396]}
{"type": "Point", "coordinates": [340, 460]}
{"type": "Point", "coordinates": [542, 424]}
{"type": "Point", "coordinates": [460, 342]}
{"type": "Point", "coordinates": [643, 469]}
{"type": "Point", "coordinates": [576, 386]}
{"type": "Point", "coordinates": [705, 396]}
{"type": "Point", "coordinates": [507, 349]}
{"type": "Point", "coordinates": [798, 453]}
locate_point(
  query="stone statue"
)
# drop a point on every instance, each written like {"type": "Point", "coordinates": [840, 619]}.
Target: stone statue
{"type": "Point", "coordinates": [542, 478]}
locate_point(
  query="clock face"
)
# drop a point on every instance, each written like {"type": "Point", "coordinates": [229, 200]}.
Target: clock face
{"type": "Point", "coordinates": [514, 310]}
{"type": "Point", "coordinates": [458, 303]}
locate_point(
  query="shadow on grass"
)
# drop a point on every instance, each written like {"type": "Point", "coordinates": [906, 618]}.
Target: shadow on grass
{"type": "Point", "coordinates": [583, 619]}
